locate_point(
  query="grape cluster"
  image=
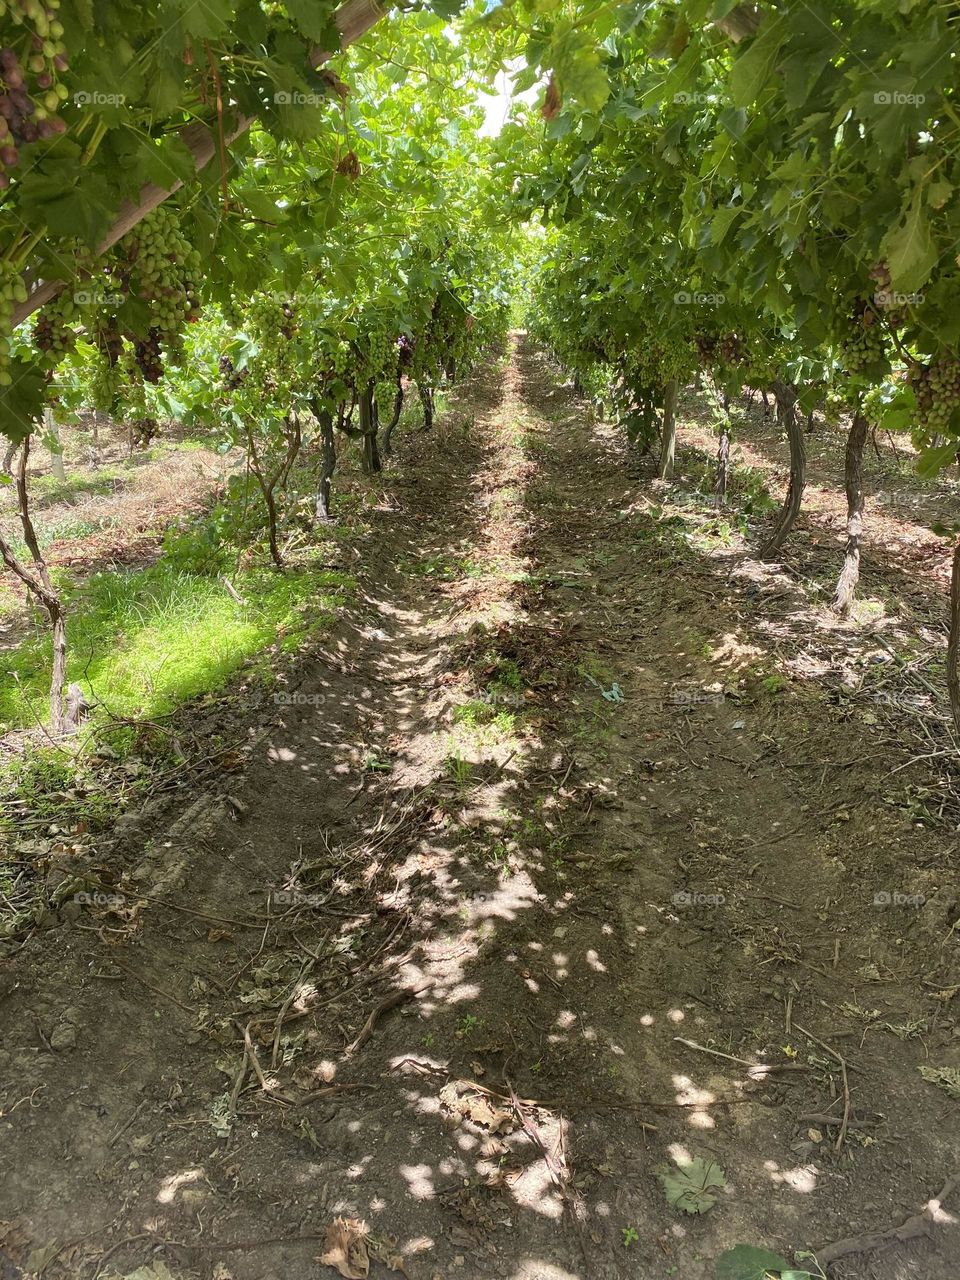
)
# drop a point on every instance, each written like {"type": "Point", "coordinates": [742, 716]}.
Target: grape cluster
{"type": "Point", "coordinates": [106, 384]}
{"type": "Point", "coordinates": [148, 356]}
{"type": "Point", "coordinates": [12, 291]}
{"type": "Point", "coordinates": [159, 265]}
{"type": "Point", "coordinates": [937, 388]}
{"type": "Point", "coordinates": [861, 342]}
{"type": "Point", "coordinates": [232, 377]}
{"type": "Point", "coordinates": [880, 274]}
{"type": "Point", "coordinates": [377, 350]}
{"type": "Point", "coordinates": [349, 166]}
{"type": "Point", "coordinates": [727, 348]}
{"type": "Point", "coordinates": [272, 322]}
{"type": "Point", "coordinates": [110, 341]}
{"type": "Point", "coordinates": [834, 406]}
{"type": "Point", "coordinates": [143, 430]}
{"type": "Point", "coordinates": [30, 94]}
{"type": "Point", "coordinates": [53, 333]}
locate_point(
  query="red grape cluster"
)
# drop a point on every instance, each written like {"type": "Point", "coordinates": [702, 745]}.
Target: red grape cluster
{"type": "Point", "coordinates": [727, 348]}
{"type": "Point", "coordinates": [149, 357]}
{"type": "Point", "coordinates": [30, 94]}
{"type": "Point", "coordinates": [232, 377]}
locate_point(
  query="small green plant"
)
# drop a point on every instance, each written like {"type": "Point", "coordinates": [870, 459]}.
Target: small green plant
{"type": "Point", "coordinates": [459, 769]}
{"type": "Point", "coordinates": [506, 674]}
{"type": "Point", "coordinates": [630, 1236]}
{"type": "Point", "coordinates": [482, 719]}
{"type": "Point", "coordinates": [473, 714]}
{"type": "Point", "coordinates": [750, 487]}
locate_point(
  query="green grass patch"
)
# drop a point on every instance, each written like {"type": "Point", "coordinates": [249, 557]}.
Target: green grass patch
{"type": "Point", "coordinates": [147, 640]}
{"type": "Point", "coordinates": [478, 715]}
{"type": "Point", "coordinates": [48, 492]}
{"type": "Point", "coordinates": [52, 785]}
{"type": "Point", "coordinates": [446, 567]}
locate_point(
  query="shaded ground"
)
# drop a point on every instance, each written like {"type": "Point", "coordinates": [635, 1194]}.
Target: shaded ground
{"type": "Point", "coordinates": [597, 795]}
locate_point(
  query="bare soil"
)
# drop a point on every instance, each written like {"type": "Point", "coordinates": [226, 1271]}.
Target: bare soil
{"type": "Point", "coordinates": [471, 977]}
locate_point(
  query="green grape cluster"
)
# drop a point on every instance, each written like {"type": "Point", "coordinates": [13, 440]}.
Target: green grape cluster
{"type": "Point", "coordinates": [12, 291]}
{"type": "Point", "coordinates": [107, 384]}
{"type": "Point", "coordinates": [658, 362]}
{"type": "Point", "coordinates": [379, 353]}
{"type": "Point", "coordinates": [937, 388]}
{"type": "Point", "coordinates": [861, 343]}
{"type": "Point", "coordinates": [273, 323]}
{"type": "Point", "coordinates": [160, 266]}
{"type": "Point", "coordinates": [834, 405]}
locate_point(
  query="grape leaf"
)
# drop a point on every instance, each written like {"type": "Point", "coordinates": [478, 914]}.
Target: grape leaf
{"type": "Point", "coordinates": [313, 19]}
{"type": "Point", "coordinates": [84, 210]}
{"type": "Point", "coordinates": [166, 160]}
{"type": "Point", "coordinates": [752, 68]}
{"type": "Point", "coordinates": [745, 1262]}
{"type": "Point", "coordinates": [688, 1187]}
{"type": "Point", "coordinates": [908, 248]}
{"type": "Point", "coordinates": [933, 460]}
{"type": "Point", "coordinates": [207, 20]}
{"type": "Point", "coordinates": [22, 401]}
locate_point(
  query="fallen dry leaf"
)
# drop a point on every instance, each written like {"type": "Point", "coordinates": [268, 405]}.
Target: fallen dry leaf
{"type": "Point", "coordinates": [476, 1107]}
{"type": "Point", "coordinates": [345, 1248]}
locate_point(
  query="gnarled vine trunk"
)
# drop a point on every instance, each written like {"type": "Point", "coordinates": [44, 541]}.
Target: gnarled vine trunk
{"type": "Point", "coordinates": [394, 419]}
{"type": "Point", "coordinates": [723, 467]}
{"type": "Point", "coordinates": [369, 451]}
{"type": "Point", "coordinates": [328, 464]}
{"type": "Point", "coordinates": [668, 435]}
{"type": "Point", "coordinates": [786, 397]}
{"type": "Point", "coordinates": [426, 399]}
{"type": "Point", "coordinates": [38, 583]}
{"type": "Point", "coordinates": [268, 481]}
{"type": "Point", "coordinates": [853, 477]}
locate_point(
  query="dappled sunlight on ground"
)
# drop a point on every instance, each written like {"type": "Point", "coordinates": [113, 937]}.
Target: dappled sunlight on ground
{"type": "Point", "coordinates": [481, 982]}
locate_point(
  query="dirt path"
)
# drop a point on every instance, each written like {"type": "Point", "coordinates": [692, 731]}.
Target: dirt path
{"type": "Point", "coordinates": [542, 782]}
